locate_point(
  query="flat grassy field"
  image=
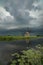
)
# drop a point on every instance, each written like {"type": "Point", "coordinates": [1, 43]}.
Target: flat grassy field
{"type": "Point", "coordinates": [13, 38]}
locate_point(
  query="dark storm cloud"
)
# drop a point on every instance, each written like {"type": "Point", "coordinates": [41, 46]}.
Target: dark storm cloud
{"type": "Point", "coordinates": [20, 3]}
{"type": "Point", "coordinates": [24, 12]}
{"type": "Point", "coordinates": [13, 7]}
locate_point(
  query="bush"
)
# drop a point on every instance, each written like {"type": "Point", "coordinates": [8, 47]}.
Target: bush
{"type": "Point", "coordinates": [26, 57]}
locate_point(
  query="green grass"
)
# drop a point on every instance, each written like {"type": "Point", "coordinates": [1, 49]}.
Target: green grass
{"type": "Point", "coordinates": [13, 38]}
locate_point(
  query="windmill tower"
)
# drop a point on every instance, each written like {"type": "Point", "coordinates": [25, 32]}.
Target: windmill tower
{"type": "Point", "coordinates": [27, 34]}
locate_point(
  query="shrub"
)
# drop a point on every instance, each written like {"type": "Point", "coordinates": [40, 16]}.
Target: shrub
{"type": "Point", "coordinates": [26, 57]}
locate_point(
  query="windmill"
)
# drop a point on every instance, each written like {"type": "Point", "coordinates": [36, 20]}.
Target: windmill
{"type": "Point", "coordinates": [27, 34]}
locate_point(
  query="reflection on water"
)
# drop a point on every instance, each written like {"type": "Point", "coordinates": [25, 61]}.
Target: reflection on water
{"type": "Point", "coordinates": [6, 48]}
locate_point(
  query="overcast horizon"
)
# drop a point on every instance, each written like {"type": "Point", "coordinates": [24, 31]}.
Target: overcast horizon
{"type": "Point", "coordinates": [21, 13]}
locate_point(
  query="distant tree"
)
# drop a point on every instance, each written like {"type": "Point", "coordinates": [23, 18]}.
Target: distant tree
{"type": "Point", "coordinates": [38, 35]}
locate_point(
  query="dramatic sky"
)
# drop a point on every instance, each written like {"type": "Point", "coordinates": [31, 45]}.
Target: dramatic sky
{"type": "Point", "coordinates": [21, 13]}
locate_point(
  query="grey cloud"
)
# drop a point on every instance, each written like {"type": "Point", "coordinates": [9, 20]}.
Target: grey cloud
{"type": "Point", "coordinates": [13, 7]}
{"type": "Point", "coordinates": [22, 17]}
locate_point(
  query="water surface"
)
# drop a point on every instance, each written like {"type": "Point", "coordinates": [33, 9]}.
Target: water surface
{"type": "Point", "coordinates": [7, 48]}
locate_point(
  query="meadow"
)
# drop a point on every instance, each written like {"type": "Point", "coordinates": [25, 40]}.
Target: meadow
{"type": "Point", "coordinates": [13, 38]}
